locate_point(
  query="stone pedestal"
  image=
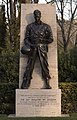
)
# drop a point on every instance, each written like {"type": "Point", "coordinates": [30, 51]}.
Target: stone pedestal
{"type": "Point", "coordinates": [38, 103]}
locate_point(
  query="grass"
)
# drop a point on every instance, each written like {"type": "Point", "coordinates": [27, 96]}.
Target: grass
{"type": "Point", "coordinates": [72, 117]}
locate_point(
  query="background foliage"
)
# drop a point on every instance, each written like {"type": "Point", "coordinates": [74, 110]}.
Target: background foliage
{"type": "Point", "coordinates": [68, 66]}
{"type": "Point", "coordinates": [7, 98]}
{"type": "Point", "coordinates": [68, 97]}
{"type": "Point", "coordinates": [9, 67]}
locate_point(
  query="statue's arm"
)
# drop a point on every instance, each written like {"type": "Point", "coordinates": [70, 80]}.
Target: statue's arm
{"type": "Point", "coordinates": [49, 35]}
{"type": "Point", "coordinates": [27, 34]}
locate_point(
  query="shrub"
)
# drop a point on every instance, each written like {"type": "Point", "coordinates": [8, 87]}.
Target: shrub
{"type": "Point", "coordinates": [68, 97]}
{"type": "Point", "coordinates": [9, 67]}
{"type": "Point", "coordinates": [7, 98]}
{"type": "Point", "coordinates": [67, 66]}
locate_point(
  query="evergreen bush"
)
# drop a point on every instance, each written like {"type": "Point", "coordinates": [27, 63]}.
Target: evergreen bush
{"type": "Point", "coordinates": [67, 66]}
{"type": "Point", "coordinates": [7, 98]}
{"type": "Point", "coordinates": [9, 67]}
{"type": "Point", "coordinates": [68, 97]}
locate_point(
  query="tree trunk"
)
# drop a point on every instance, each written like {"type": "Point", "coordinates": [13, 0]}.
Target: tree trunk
{"type": "Point", "coordinates": [11, 8]}
{"type": "Point", "coordinates": [15, 8]}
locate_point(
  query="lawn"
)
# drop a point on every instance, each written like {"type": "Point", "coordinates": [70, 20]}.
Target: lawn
{"type": "Point", "coordinates": [73, 117]}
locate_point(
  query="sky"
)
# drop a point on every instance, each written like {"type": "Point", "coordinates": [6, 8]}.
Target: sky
{"type": "Point", "coordinates": [40, 1]}
{"type": "Point", "coordinates": [67, 8]}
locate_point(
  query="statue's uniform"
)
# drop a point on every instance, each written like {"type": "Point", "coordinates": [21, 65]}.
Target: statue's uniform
{"type": "Point", "coordinates": [38, 37]}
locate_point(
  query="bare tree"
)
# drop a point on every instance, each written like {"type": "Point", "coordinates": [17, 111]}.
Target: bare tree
{"type": "Point", "coordinates": [26, 1]}
{"type": "Point", "coordinates": [12, 20]}
{"type": "Point", "coordinates": [29, 1]}
{"type": "Point", "coordinates": [66, 14]}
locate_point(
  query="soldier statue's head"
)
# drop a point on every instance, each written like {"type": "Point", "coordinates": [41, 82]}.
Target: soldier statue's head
{"type": "Point", "coordinates": [37, 16]}
{"type": "Point", "coordinates": [36, 1]}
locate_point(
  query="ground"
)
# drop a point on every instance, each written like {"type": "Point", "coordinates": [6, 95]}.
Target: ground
{"type": "Point", "coordinates": [72, 117]}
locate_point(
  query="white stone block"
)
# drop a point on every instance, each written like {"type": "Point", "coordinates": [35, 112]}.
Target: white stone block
{"type": "Point", "coordinates": [38, 102]}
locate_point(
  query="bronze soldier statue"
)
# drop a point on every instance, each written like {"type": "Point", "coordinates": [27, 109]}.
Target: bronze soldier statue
{"type": "Point", "coordinates": [37, 37]}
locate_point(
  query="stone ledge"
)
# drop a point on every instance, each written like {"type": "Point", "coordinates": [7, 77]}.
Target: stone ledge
{"type": "Point", "coordinates": [62, 115]}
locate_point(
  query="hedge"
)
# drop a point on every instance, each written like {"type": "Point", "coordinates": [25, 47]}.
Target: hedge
{"type": "Point", "coordinates": [9, 67]}
{"type": "Point", "coordinates": [7, 98]}
{"type": "Point", "coordinates": [67, 65]}
{"type": "Point", "coordinates": [69, 98]}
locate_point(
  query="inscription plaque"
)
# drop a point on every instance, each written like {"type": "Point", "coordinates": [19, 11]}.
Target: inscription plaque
{"type": "Point", "coordinates": [38, 102]}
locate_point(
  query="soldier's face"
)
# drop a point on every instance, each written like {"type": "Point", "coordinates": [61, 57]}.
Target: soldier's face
{"type": "Point", "coordinates": [37, 17]}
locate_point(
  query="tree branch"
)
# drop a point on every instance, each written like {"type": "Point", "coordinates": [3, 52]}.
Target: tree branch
{"type": "Point", "coordinates": [69, 31]}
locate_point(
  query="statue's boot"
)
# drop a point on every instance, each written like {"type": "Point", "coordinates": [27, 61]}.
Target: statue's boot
{"type": "Point", "coordinates": [25, 83]}
{"type": "Point", "coordinates": [46, 85]}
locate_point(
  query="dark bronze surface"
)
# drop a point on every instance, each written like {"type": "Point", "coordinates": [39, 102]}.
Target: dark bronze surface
{"type": "Point", "coordinates": [36, 1]}
{"type": "Point", "coordinates": [38, 35]}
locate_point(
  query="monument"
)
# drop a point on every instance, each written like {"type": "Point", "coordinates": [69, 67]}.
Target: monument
{"type": "Point", "coordinates": [38, 93]}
